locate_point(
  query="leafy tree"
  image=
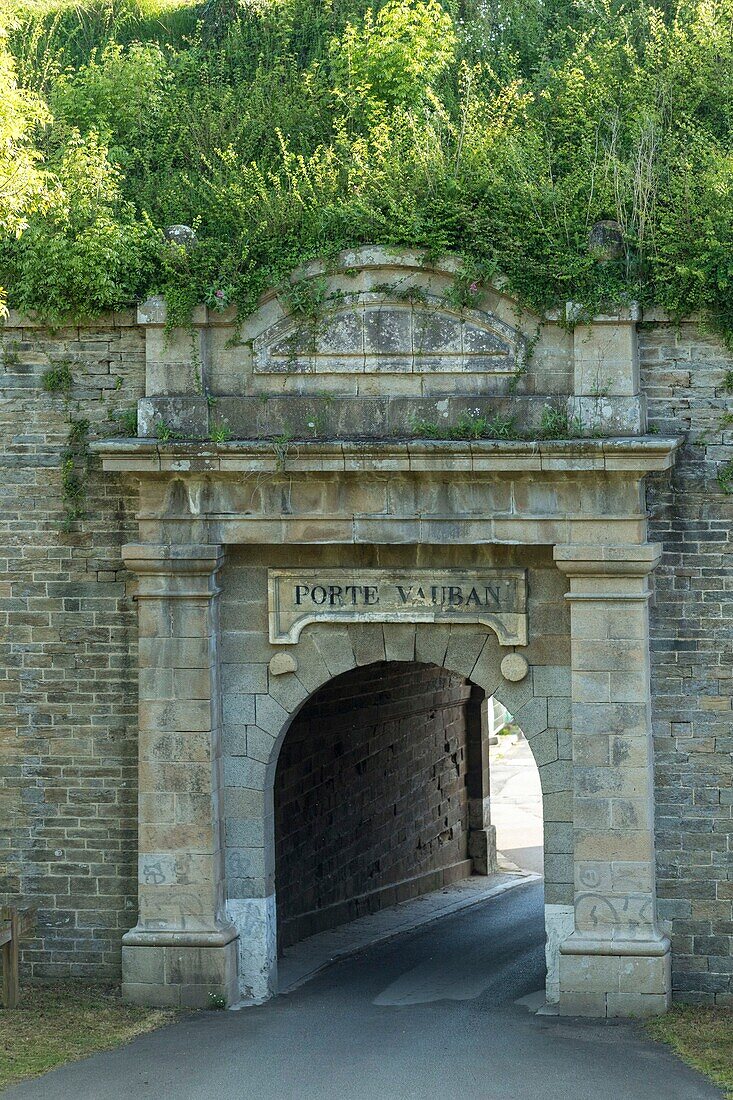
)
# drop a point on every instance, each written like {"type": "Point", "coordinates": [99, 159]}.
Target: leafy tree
{"type": "Point", "coordinates": [22, 184]}
{"type": "Point", "coordinates": [395, 57]}
{"type": "Point", "coordinates": [87, 252]}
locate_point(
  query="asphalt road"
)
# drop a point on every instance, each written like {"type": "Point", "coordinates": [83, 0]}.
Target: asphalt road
{"type": "Point", "coordinates": [430, 1014]}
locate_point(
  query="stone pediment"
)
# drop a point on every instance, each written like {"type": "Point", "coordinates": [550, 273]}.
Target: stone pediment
{"type": "Point", "coordinates": [369, 334]}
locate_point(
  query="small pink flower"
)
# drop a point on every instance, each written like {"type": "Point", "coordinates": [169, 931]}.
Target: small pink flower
{"type": "Point", "coordinates": [220, 293]}
{"type": "Point", "coordinates": [473, 288]}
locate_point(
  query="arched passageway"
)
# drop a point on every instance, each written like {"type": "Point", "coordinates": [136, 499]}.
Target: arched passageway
{"type": "Point", "coordinates": [381, 794]}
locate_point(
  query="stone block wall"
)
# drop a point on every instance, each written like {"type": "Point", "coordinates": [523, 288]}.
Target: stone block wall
{"type": "Point", "coordinates": [69, 692]}
{"type": "Point", "coordinates": [371, 804]}
{"type": "Point", "coordinates": [684, 377]}
{"type": "Point", "coordinates": [68, 752]}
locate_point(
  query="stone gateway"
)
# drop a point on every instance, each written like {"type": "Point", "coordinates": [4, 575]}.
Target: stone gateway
{"type": "Point", "coordinates": [245, 696]}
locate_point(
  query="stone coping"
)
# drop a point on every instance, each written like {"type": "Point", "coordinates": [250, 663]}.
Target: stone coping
{"type": "Point", "coordinates": [154, 312]}
{"type": "Point", "coordinates": [639, 454]}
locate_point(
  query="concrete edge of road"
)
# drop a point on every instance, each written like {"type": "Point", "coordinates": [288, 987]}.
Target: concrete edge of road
{"type": "Point", "coordinates": [306, 959]}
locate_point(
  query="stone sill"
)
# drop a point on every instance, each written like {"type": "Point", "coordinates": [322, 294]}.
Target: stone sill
{"type": "Point", "coordinates": [640, 454]}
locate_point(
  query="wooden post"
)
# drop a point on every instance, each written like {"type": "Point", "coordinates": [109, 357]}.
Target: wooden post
{"type": "Point", "coordinates": [13, 924]}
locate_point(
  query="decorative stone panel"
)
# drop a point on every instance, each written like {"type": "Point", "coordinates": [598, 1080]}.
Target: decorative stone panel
{"type": "Point", "coordinates": [367, 333]}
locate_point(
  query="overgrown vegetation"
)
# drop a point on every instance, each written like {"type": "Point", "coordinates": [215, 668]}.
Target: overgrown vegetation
{"type": "Point", "coordinates": [469, 425]}
{"type": "Point", "coordinates": [281, 130]}
{"type": "Point", "coordinates": [57, 1024]}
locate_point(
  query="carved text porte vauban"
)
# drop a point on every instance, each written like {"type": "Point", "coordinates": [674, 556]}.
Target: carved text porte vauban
{"type": "Point", "coordinates": [496, 598]}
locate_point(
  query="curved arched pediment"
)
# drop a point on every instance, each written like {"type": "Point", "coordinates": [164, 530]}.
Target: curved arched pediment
{"type": "Point", "coordinates": [371, 333]}
{"type": "Point", "coordinates": [381, 312]}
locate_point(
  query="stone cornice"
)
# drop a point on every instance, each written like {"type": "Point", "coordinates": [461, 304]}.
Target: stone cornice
{"type": "Point", "coordinates": [634, 455]}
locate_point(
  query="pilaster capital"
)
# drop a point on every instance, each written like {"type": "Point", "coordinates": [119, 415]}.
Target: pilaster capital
{"type": "Point", "coordinates": [633, 560]}
{"type": "Point", "coordinates": [174, 572]}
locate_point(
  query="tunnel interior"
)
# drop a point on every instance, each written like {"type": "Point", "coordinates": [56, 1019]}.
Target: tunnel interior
{"type": "Point", "coordinates": [372, 795]}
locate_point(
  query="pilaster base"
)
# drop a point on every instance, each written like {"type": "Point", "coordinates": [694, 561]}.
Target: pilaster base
{"type": "Point", "coordinates": [615, 978]}
{"type": "Point", "coordinates": [559, 924]}
{"type": "Point", "coordinates": [256, 923]}
{"type": "Point", "coordinates": [482, 850]}
{"type": "Point", "coordinates": [167, 974]}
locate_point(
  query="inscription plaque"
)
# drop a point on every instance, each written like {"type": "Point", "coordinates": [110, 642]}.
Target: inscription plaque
{"type": "Point", "coordinates": [496, 598]}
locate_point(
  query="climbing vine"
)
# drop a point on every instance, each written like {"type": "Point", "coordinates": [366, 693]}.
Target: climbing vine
{"type": "Point", "coordinates": [58, 380]}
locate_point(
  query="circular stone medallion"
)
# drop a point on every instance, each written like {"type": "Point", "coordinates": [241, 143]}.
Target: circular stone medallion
{"type": "Point", "coordinates": [281, 663]}
{"type": "Point", "coordinates": [514, 667]}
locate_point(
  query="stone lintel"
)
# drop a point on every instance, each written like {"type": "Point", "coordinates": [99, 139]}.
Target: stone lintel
{"type": "Point", "coordinates": [635, 455]}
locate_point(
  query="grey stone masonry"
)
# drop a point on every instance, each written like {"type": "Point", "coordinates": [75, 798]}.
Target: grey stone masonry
{"type": "Point", "coordinates": [687, 378]}
{"type": "Point", "coordinates": [68, 649]}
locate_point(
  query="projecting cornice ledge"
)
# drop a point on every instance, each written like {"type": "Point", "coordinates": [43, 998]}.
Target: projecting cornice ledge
{"type": "Point", "coordinates": [635, 455]}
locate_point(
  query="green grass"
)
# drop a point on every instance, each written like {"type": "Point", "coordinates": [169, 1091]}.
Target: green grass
{"type": "Point", "coordinates": [147, 8]}
{"type": "Point", "coordinates": [702, 1037]}
{"type": "Point", "coordinates": [62, 1023]}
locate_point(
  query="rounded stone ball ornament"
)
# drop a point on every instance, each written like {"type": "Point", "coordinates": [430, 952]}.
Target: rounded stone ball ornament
{"type": "Point", "coordinates": [606, 241]}
{"type": "Point", "coordinates": [182, 235]}
{"type": "Point", "coordinates": [514, 667]}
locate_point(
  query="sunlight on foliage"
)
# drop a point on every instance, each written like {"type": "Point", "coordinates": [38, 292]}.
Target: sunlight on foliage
{"type": "Point", "coordinates": [394, 57]}
{"type": "Point", "coordinates": [281, 130]}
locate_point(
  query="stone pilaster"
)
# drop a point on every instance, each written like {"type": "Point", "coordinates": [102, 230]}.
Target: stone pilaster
{"type": "Point", "coordinates": [615, 962]}
{"type": "Point", "coordinates": [183, 948]}
{"type": "Point", "coordinates": [481, 833]}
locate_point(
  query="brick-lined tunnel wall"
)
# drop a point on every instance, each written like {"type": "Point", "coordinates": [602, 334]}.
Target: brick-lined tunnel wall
{"type": "Point", "coordinates": [370, 796]}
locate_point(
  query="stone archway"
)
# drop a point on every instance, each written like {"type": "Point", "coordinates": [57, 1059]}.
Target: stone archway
{"type": "Point", "coordinates": [227, 654]}
{"type": "Point", "coordinates": [475, 658]}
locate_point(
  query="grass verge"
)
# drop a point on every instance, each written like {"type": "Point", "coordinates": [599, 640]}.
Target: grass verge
{"type": "Point", "coordinates": [703, 1037]}
{"type": "Point", "coordinates": [61, 1023]}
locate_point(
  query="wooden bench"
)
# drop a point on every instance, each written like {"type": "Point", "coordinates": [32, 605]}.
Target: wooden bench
{"type": "Point", "coordinates": [15, 922]}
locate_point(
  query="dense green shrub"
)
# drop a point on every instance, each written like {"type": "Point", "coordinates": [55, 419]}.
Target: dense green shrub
{"type": "Point", "coordinates": [286, 129]}
{"type": "Point", "coordinates": [88, 251]}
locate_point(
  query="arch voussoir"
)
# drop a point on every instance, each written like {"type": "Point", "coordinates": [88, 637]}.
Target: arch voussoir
{"type": "Point", "coordinates": [464, 649]}
{"type": "Point", "coordinates": [367, 640]}
{"type": "Point", "coordinates": [431, 643]}
{"type": "Point", "coordinates": [335, 647]}
{"type": "Point", "coordinates": [399, 641]}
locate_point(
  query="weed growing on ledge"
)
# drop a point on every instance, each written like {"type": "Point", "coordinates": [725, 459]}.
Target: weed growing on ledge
{"type": "Point", "coordinates": [58, 379]}
{"type": "Point", "coordinates": [281, 446]}
{"type": "Point", "coordinates": [220, 433]}
{"type": "Point", "coordinates": [164, 433]}
{"type": "Point", "coordinates": [468, 426]}
{"type": "Point", "coordinates": [127, 421]}
{"type": "Point", "coordinates": [555, 423]}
